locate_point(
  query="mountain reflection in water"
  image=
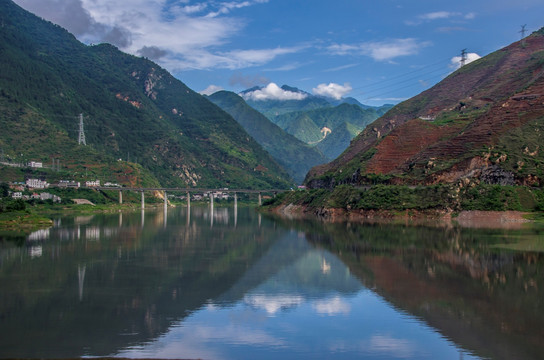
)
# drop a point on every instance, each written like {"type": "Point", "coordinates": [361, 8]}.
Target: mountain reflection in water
{"type": "Point", "coordinates": [238, 285]}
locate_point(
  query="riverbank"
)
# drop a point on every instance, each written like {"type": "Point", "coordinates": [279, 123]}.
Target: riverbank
{"type": "Point", "coordinates": [472, 206]}
{"type": "Point", "coordinates": [466, 218]}
{"type": "Point", "coordinates": [39, 216]}
{"type": "Point", "coordinates": [23, 221]}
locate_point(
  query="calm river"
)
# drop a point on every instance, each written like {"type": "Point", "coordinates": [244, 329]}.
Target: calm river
{"type": "Point", "coordinates": [246, 286]}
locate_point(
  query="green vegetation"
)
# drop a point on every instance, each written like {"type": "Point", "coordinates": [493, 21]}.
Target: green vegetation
{"type": "Point", "coordinates": [345, 121]}
{"type": "Point", "coordinates": [272, 108]}
{"type": "Point", "coordinates": [134, 111]}
{"type": "Point", "coordinates": [402, 197]}
{"type": "Point", "coordinates": [484, 122]}
{"type": "Point", "coordinates": [23, 221]}
{"type": "Point", "coordinates": [294, 155]}
{"type": "Point", "coordinates": [522, 149]}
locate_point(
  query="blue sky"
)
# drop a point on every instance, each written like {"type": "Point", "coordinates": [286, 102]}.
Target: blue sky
{"type": "Point", "coordinates": [380, 51]}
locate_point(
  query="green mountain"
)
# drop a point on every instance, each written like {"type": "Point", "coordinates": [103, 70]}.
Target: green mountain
{"type": "Point", "coordinates": [481, 124]}
{"type": "Point", "coordinates": [304, 128]}
{"type": "Point", "coordinates": [273, 108]}
{"type": "Point", "coordinates": [294, 155]}
{"type": "Point", "coordinates": [315, 126]}
{"type": "Point", "coordinates": [132, 109]}
{"type": "Point", "coordinates": [338, 140]}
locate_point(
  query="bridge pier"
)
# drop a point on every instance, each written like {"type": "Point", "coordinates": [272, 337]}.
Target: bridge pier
{"type": "Point", "coordinates": [143, 200]}
{"type": "Point", "coordinates": [188, 200]}
{"type": "Point", "coordinates": [120, 197]}
{"type": "Point", "coordinates": [143, 218]}
{"type": "Point", "coordinates": [260, 199]}
{"type": "Point", "coordinates": [235, 209]}
{"type": "Point", "coordinates": [165, 200]}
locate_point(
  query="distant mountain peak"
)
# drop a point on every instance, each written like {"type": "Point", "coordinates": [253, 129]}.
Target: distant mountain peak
{"type": "Point", "coordinates": [272, 92]}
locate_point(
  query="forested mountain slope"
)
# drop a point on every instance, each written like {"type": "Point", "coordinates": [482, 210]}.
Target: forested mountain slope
{"type": "Point", "coordinates": [294, 155]}
{"type": "Point", "coordinates": [132, 109]}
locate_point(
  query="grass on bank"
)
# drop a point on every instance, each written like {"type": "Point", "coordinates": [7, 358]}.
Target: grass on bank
{"type": "Point", "coordinates": [401, 197]}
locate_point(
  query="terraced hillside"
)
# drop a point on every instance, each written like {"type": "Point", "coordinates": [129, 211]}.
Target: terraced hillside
{"type": "Point", "coordinates": [484, 122]}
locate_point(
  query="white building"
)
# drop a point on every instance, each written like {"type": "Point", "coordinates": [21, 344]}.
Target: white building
{"type": "Point", "coordinates": [95, 183]}
{"type": "Point", "coordinates": [17, 195]}
{"type": "Point", "coordinates": [35, 164]}
{"type": "Point", "coordinates": [70, 184]}
{"type": "Point", "coordinates": [36, 184]}
{"type": "Point", "coordinates": [48, 196]}
{"type": "Point", "coordinates": [110, 184]}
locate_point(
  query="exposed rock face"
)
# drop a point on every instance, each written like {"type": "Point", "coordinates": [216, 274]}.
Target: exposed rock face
{"type": "Point", "coordinates": [151, 83]}
{"type": "Point", "coordinates": [497, 176]}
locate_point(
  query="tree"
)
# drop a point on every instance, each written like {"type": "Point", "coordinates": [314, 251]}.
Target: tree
{"type": "Point", "coordinates": [4, 189]}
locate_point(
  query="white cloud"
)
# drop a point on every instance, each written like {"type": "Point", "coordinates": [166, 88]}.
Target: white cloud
{"type": "Point", "coordinates": [385, 344]}
{"type": "Point", "coordinates": [246, 58]}
{"type": "Point", "coordinates": [456, 60]}
{"type": "Point", "coordinates": [390, 50]}
{"type": "Point", "coordinates": [343, 67]}
{"type": "Point", "coordinates": [286, 67]}
{"type": "Point", "coordinates": [190, 32]}
{"type": "Point", "coordinates": [331, 307]}
{"type": "Point", "coordinates": [273, 303]}
{"type": "Point", "coordinates": [381, 346]}
{"type": "Point", "coordinates": [227, 7]}
{"type": "Point", "coordinates": [438, 15]}
{"type": "Point", "coordinates": [211, 90]}
{"type": "Point", "coordinates": [273, 92]}
{"type": "Point", "coordinates": [191, 9]}
{"type": "Point", "coordinates": [381, 50]}
{"type": "Point", "coordinates": [344, 49]}
{"type": "Point", "coordinates": [333, 90]}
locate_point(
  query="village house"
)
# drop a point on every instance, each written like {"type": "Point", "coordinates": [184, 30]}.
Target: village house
{"type": "Point", "coordinates": [219, 195]}
{"type": "Point", "coordinates": [69, 183]}
{"type": "Point", "coordinates": [47, 196]}
{"type": "Point", "coordinates": [36, 184]}
{"type": "Point", "coordinates": [95, 183]}
{"type": "Point", "coordinates": [35, 164]}
{"type": "Point", "coordinates": [110, 184]}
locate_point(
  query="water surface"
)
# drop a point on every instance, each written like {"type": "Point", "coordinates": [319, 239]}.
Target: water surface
{"type": "Point", "coordinates": [245, 286]}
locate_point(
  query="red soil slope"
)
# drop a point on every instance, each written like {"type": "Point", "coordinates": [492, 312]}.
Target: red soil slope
{"type": "Point", "coordinates": [487, 98]}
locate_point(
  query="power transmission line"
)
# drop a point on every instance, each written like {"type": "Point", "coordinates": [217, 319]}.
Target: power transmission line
{"type": "Point", "coordinates": [441, 70]}
{"type": "Point", "coordinates": [391, 91]}
{"type": "Point", "coordinates": [424, 68]}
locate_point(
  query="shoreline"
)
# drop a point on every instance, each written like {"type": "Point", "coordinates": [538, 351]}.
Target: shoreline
{"type": "Point", "coordinates": [508, 219]}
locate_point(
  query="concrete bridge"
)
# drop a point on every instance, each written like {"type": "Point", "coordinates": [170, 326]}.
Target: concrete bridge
{"type": "Point", "coordinates": [188, 191]}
